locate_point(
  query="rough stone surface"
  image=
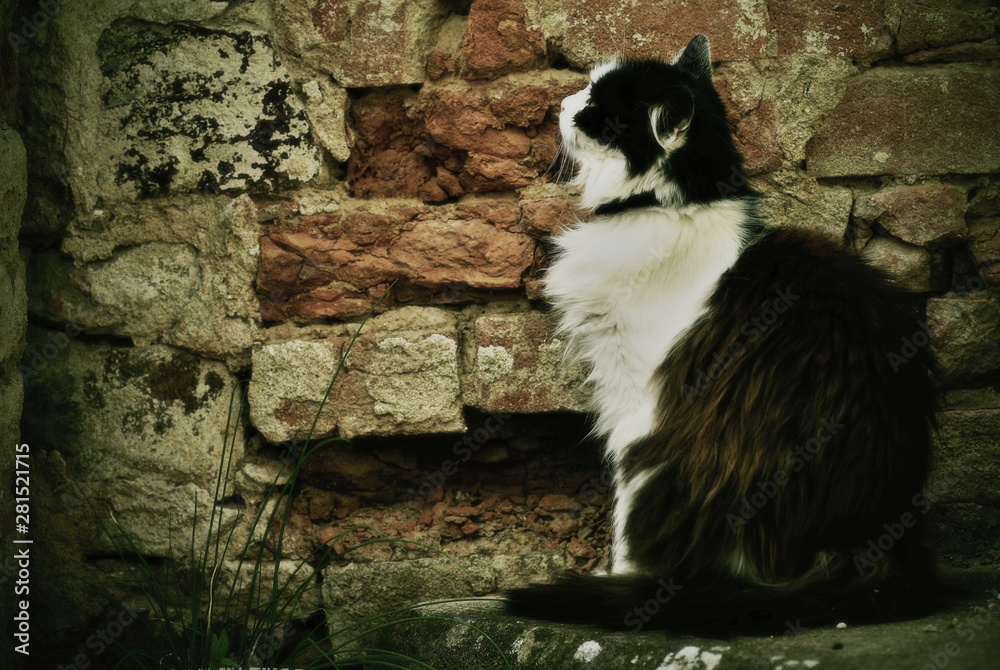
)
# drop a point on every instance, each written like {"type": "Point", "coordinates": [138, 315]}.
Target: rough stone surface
{"type": "Point", "coordinates": [796, 201]}
{"type": "Point", "coordinates": [547, 207]}
{"type": "Point", "coordinates": [908, 266]}
{"type": "Point", "coordinates": [984, 233]}
{"type": "Point", "coordinates": [968, 462]}
{"type": "Point", "coordinates": [499, 40]}
{"type": "Point", "coordinates": [962, 488]}
{"type": "Point", "coordinates": [361, 42]}
{"type": "Point", "coordinates": [940, 23]}
{"type": "Point", "coordinates": [186, 282]}
{"type": "Point", "coordinates": [963, 331]}
{"type": "Point", "coordinates": [13, 303]}
{"type": "Point", "coordinates": [853, 28]}
{"type": "Point", "coordinates": [338, 265]}
{"type": "Point", "coordinates": [71, 170]}
{"type": "Point", "coordinates": [134, 413]}
{"type": "Point", "coordinates": [145, 508]}
{"type": "Point", "coordinates": [455, 640]}
{"type": "Point", "coordinates": [520, 366]}
{"type": "Point", "coordinates": [401, 378]}
{"type": "Point", "coordinates": [357, 591]}
{"type": "Point", "coordinates": [776, 106]}
{"type": "Point", "coordinates": [591, 31]}
{"type": "Point", "coordinates": [457, 136]}
{"type": "Point", "coordinates": [936, 120]}
{"type": "Point", "coordinates": [922, 215]}
{"type": "Point", "coordinates": [326, 105]}
{"type": "Point", "coordinates": [13, 318]}
{"type": "Point", "coordinates": [186, 110]}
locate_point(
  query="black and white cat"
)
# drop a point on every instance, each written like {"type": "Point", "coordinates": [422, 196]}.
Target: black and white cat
{"type": "Point", "coordinates": [759, 429]}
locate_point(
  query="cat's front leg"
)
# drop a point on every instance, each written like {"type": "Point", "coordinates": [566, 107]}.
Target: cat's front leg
{"type": "Point", "coordinates": [626, 489]}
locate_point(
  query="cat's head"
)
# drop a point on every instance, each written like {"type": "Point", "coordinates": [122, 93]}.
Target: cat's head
{"type": "Point", "coordinates": [647, 130]}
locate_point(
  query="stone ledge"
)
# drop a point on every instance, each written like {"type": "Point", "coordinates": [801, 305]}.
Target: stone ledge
{"type": "Point", "coordinates": [967, 636]}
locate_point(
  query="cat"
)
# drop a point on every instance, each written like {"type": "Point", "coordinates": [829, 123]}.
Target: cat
{"type": "Point", "coordinates": [761, 435]}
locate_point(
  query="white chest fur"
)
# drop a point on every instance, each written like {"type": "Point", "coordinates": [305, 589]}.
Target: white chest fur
{"type": "Point", "coordinates": [626, 286]}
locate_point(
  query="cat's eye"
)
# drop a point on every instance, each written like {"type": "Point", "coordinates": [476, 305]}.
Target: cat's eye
{"type": "Point", "coordinates": [591, 104]}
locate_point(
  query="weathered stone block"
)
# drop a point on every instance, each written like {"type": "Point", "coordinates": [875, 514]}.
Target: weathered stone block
{"type": "Point", "coordinates": [362, 42]}
{"type": "Point", "coordinates": [926, 215]}
{"type": "Point", "coordinates": [158, 517]}
{"type": "Point", "coordinates": [853, 28]}
{"type": "Point", "coordinates": [479, 635]}
{"type": "Point", "coordinates": [909, 267]}
{"type": "Point", "coordinates": [590, 31]}
{"type": "Point", "coordinates": [401, 378]}
{"type": "Point", "coordinates": [984, 232]}
{"type": "Point", "coordinates": [499, 40]}
{"type": "Point", "coordinates": [520, 366]}
{"type": "Point", "coordinates": [457, 136]}
{"type": "Point", "coordinates": [144, 413]}
{"type": "Point", "coordinates": [338, 265]}
{"type": "Point", "coordinates": [358, 591]}
{"type": "Point", "coordinates": [968, 463]}
{"type": "Point", "coordinates": [963, 330]}
{"type": "Point", "coordinates": [186, 109]}
{"type": "Point", "coordinates": [326, 105]}
{"type": "Point", "coordinates": [776, 106]}
{"type": "Point", "coordinates": [13, 182]}
{"type": "Point", "coordinates": [796, 201]}
{"type": "Point", "coordinates": [936, 120]}
{"type": "Point", "coordinates": [172, 271]}
{"type": "Point", "coordinates": [13, 303]}
{"type": "Point", "coordinates": [545, 208]}
{"type": "Point", "coordinates": [937, 23]}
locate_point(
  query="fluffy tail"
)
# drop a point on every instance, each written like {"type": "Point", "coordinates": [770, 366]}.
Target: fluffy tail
{"type": "Point", "coordinates": [722, 605]}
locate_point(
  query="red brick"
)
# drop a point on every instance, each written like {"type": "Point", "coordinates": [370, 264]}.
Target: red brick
{"type": "Point", "coordinates": [336, 266]}
{"type": "Point", "coordinates": [921, 215]}
{"type": "Point", "coordinates": [546, 216]}
{"type": "Point", "coordinates": [457, 137]}
{"type": "Point", "coordinates": [930, 120]}
{"type": "Point", "coordinates": [499, 40]}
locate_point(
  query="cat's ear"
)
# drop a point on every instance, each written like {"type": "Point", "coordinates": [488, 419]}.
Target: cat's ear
{"type": "Point", "coordinates": [696, 59]}
{"type": "Point", "coordinates": [669, 123]}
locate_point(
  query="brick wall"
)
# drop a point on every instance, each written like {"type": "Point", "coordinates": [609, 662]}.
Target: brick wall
{"type": "Point", "coordinates": [221, 191]}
